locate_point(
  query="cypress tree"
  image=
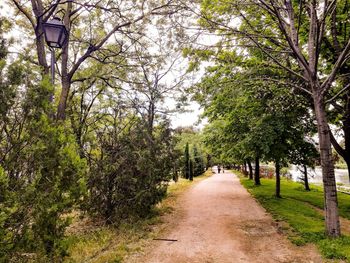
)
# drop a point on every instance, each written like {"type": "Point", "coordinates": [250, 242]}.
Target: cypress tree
{"type": "Point", "coordinates": [187, 162]}
{"type": "Point", "coordinates": [198, 163]}
{"type": "Point", "coordinates": [191, 170]}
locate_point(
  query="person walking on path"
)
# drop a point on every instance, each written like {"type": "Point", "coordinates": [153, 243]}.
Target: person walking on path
{"type": "Point", "coordinates": [219, 168]}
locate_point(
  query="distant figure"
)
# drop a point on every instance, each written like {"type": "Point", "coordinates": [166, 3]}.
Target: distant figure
{"type": "Point", "coordinates": [219, 168]}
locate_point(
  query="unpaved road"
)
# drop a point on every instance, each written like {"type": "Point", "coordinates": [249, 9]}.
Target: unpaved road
{"type": "Point", "coordinates": [219, 222]}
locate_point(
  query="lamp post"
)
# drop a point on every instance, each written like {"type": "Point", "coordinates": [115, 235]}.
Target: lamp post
{"type": "Point", "coordinates": [56, 36]}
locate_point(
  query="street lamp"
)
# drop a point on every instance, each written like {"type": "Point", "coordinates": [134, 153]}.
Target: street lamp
{"type": "Point", "coordinates": [56, 36]}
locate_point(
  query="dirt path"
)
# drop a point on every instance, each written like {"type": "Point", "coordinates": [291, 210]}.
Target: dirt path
{"type": "Point", "coordinates": [218, 221]}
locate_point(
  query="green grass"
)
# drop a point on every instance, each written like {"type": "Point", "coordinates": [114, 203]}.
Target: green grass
{"type": "Point", "coordinates": [297, 209]}
{"type": "Point", "coordinates": [90, 241]}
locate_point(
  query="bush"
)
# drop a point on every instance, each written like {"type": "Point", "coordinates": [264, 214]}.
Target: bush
{"type": "Point", "coordinates": [129, 172]}
{"type": "Point", "coordinates": [41, 174]}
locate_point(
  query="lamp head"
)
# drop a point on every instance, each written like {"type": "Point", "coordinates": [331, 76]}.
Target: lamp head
{"type": "Point", "coordinates": [56, 34]}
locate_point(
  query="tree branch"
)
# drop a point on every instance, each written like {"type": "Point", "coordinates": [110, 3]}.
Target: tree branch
{"type": "Point", "coordinates": [25, 13]}
{"type": "Point", "coordinates": [331, 77]}
{"type": "Point", "coordinates": [339, 93]}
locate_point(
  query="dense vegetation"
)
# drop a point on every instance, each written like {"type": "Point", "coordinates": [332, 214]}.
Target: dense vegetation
{"type": "Point", "coordinates": [100, 143]}
{"type": "Point", "coordinates": [194, 163]}
{"type": "Point", "coordinates": [266, 57]}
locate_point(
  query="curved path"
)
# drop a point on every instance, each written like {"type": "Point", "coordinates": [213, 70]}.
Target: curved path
{"type": "Point", "coordinates": [221, 222]}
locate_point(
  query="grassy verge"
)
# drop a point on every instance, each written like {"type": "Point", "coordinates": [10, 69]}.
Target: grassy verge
{"type": "Point", "coordinates": [93, 242]}
{"type": "Point", "coordinates": [298, 211]}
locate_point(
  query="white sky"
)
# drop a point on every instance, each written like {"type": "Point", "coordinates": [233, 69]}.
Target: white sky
{"type": "Point", "coordinates": [188, 118]}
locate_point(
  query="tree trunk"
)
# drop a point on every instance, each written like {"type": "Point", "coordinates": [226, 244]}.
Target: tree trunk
{"type": "Point", "coordinates": [257, 172]}
{"type": "Point", "coordinates": [278, 179]}
{"type": "Point", "coordinates": [250, 170]}
{"type": "Point", "coordinates": [306, 179]}
{"type": "Point", "coordinates": [38, 11]}
{"type": "Point", "coordinates": [62, 105]}
{"type": "Point", "coordinates": [66, 76]}
{"type": "Point", "coordinates": [245, 168]}
{"type": "Point", "coordinates": [329, 184]}
{"type": "Point", "coordinates": [175, 175]}
{"type": "Point", "coordinates": [40, 46]}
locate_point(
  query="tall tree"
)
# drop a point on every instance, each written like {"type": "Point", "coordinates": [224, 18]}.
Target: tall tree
{"type": "Point", "coordinates": [277, 29]}
{"type": "Point", "coordinates": [191, 170]}
{"type": "Point", "coordinates": [304, 153]}
{"type": "Point", "coordinates": [89, 35]}
{"type": "Point", "coordinates": [338, 98]}
{"type": "Point", "coordinates": [187, 159]}
{"type": "Point", "coordinates": [42, 176]}
{"type": "Point", "coordinates": [198, 163]}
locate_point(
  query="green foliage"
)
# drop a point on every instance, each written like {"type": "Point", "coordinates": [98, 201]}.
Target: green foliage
{"type": "Point", "coordinates": [129, 169]}
{"type": "Point", "coordinates": [251, 118]}
{"type": "Point", "coordinates": [191, 170]}
{"type": "Point", "coordinates": [251, 115]}
{"type": "Point", "coordinates": [193, 139]}
{"type": "Point", "coordinates": [198, 162]}
{"type": "Point", "coordinates": [6, 210]}
{"type": "Point", "coordinates": [50, 184]}
{"type": "Point", "coordinates": [187, 160]}
{"type": "Point", "coordinates": [301, 210]}
{"type": "Point", "coordinates": [336, 248]}
{"type": "Point", "coordinates": [47, 186]}
{"type": "Point", "coordinates": [59, 183]}
{"type": "Point", "coordinates": [42, 176]}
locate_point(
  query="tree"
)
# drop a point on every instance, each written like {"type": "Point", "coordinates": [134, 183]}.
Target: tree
{"type": "Point", "coordinates": [191, 170]}
{"type": "Point", "coordinates": [187, 168]}
{"type": "Point", "coordinates": [198, 163]}
{"type": "Point", "coordinates": [196, 147]}
{"type": "Point", "coordinates": [259, 118]}
{"type": "Point", "coordinates": [303, 60]}
{"type": "Point", "coordinates": [304, 153]}
{"type": "Point", "coordinates": [89, 34]}
{"type": "Point", "coordinates": [41, 173]}
{"type": "Point", "coordinates": [117, 131]}
{"type": "Point", "coordinates": [128, 174]}
{"type": "Point", "coordinates": [338, 97]}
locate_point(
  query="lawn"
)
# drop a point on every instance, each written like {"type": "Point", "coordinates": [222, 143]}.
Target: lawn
{"type": "Point", "coordinates": [300, 210]}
